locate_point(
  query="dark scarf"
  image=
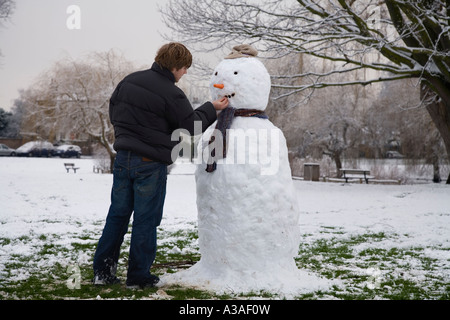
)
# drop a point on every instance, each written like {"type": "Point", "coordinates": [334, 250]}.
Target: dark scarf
{"type": "Point", "coordinates": [224, 121]}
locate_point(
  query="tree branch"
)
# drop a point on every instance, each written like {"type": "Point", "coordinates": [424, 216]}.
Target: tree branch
{"type": "Point", "coordinates": [319, 84]}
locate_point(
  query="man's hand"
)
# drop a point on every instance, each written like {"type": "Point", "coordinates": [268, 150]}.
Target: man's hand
{"type": "Point", "coordinates": [220, 104]}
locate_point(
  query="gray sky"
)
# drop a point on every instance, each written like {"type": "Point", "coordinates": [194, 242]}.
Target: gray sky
{"type": "Point", "coordinates": [37, 35]}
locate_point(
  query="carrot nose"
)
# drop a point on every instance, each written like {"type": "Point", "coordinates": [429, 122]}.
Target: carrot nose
{"type": "Point", "coordinates": [219, 85]}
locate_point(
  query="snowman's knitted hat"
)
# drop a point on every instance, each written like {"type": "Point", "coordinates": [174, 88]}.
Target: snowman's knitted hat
{"type": "Point", "coordinates": [242, 51]}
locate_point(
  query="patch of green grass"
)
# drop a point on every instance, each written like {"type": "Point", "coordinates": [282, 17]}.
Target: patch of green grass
{"type": "Point", "coordinates": [374, 272]}
{"type": "Point", "coordinates": [4, 241]}
{"type": "Point", "coordinates": [177, 248]}
{"type": "Point", "coordinates": [182, 293]}
{"type": "Point", "coordinates": [364, 265]}
{"type": "Point", "coordinates": [57, 281]}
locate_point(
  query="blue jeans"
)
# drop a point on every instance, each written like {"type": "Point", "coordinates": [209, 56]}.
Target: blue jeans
{"type": "Point", "coordinates": [139, 186]}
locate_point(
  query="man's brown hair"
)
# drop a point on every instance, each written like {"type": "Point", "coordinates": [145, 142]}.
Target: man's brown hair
{"type": "Point", "coordinates": [173, 55]}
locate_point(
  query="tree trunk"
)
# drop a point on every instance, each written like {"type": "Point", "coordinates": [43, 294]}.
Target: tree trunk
{"type": "Point", "coordinates": [441, 118]}
{"type": "Point", "coordinates": [338, 162]}
{"type": "Point", "coordinates": [436, 172]}
{"type": "Point", "coordinates": [439, 110]}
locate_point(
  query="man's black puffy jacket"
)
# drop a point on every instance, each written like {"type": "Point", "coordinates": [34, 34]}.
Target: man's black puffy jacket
{"type": "Point", "coordinates": [147, 107]}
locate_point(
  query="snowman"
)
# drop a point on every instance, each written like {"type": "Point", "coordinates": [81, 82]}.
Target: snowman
{"type": "Point", "coordinates": [247, 207]}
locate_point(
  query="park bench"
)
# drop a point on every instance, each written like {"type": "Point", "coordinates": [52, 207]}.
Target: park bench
{"type": "Point", "coordinates": [98, 169]}
{"type": "Point", "coordinates": [71, 166]}
{"type": "Point", "coordinates": [356, 174]}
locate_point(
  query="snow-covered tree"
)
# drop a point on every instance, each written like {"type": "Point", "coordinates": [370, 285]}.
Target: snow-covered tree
{"type": "Point", "coordinates": [396, 39]}
{"type": "Point", "coordinates": [6, 10]}
{"type": "Point", "coordinates": [73, 96]}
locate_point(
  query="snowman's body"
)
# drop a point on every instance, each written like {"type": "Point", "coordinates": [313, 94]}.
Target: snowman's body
{"type": "Point", "coordinates": [247, 208]}
{"type": "Point", "coordinates": [248, 221]}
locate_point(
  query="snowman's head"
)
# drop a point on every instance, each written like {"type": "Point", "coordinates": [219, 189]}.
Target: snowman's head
{"type": "Point", "coordinates": [244, 80]}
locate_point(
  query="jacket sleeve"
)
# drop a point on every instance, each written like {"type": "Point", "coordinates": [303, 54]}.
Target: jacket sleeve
{"type": "Point", "coordinates": [181, 115]}
{"type": "Point", "coordinates": [113, 100]}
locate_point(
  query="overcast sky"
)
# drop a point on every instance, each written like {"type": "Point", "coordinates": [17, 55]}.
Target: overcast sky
{"type": "Point", "coordinates": [37, 35]}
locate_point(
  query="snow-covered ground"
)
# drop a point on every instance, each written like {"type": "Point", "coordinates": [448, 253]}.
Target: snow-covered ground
{"type": "Point", "coordinates": [40, 202]}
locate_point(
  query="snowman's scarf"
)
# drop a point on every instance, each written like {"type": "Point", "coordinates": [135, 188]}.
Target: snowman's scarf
{"type": "Point", "coordinates": [224, 121]}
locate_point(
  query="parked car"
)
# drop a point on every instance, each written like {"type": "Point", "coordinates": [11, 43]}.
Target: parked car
{"type": "Point", "coordinates": [394, 155]}
{"type": "Point", "coordinates": [36, 149]}
{"type": "Point", "coordinates": [68, 151]}
{"type": "Point", "coordinates": [7, 151]}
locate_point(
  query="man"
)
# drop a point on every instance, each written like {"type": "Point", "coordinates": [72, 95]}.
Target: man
{"type": "Point", "coordinates": [145, 108]}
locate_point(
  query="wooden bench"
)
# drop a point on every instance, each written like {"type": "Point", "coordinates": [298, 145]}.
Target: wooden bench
{"type": "Point", "coordinates": [71, 166]}
{"type": "Point", "coordinates": [98, 169]}
{"type": "Point", "coordinates": [356, 174]}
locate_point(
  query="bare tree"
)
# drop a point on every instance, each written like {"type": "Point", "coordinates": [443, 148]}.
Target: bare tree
{"type": "Point", "coordinates": [6, 10]}
{"type": "Point", "coordinates": [354, 121]}
{"type": "Point", "coordinates": [409, 125]}
{"type": "Point", "coordinates": [73, 96]}
{"type": "Point", "coordinates": [337, 129]}
{"type": "Point", "coordinates": [397, 39]}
